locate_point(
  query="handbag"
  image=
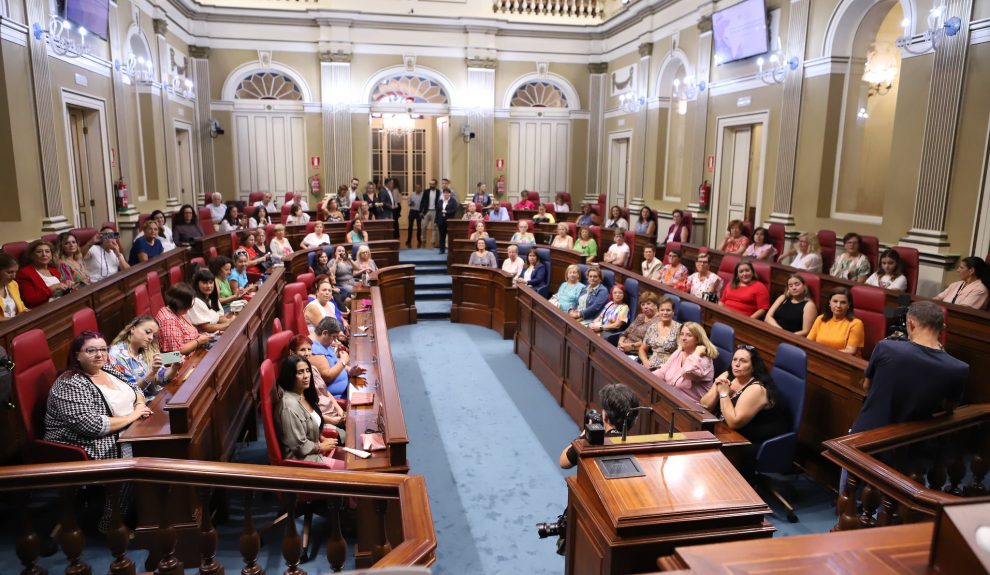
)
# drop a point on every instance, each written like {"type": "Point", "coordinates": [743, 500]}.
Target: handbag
{"type": "Point", "coordinates": [710, 296]}
{"type": "Point", "coordinates": [372, 442]}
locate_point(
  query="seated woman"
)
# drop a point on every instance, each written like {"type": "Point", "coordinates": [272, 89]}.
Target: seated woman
{"type": "Point", "coordinates": [793, 311]}
{"type": "Point", "coordinates": [647, 224]}
{"type": "Point", "coordinates": [134, 354]}
{"type": "Point", "coordinates": [660, 340]}
{"type": "Point", "coordinates": [651, 264]}
{"type": "Point", "coordinates": [343, 270]}
{"type": "Point", "coordinates": [542, 216]}
{"type": "Point", "coordinates": [972, 288]}
{"type": "Point", "coordinates": [586, 245]}
{"type": "Point", "coordinates": [559, 204]}
{"type": "Point", "coordinates": [364, 265]}
{"type": "Point", "coordinates": [260, 218]}
{"type": "Point", "coordinates": [678, 231]}
{"type": "Point", "coordinates": [616, 220]}
{"type": "Point", "coordinates": [630, 340]}
{"type": "Point", "coordinates": [69, 261]}
{"type": "Point", "coordinates": [618, 253]}
{"type": "Point", "coordinates": [570, 290]}
{"type": "Point", "coordinates": [317, 237]}
{"type": "Point", "coordinates": [594, 297]}
{"type": "Point", "coordinates": [323, 305]}
{"type": "Point", "coordinates": [364, 211]}
{"type": "Point", "coordinates": [296, 215]}
{"type": "Point", "coordinates": [10, 295]}
{"type": "Point", "coordinates": [333, 414]}
{"type": "Point", "coordinates": [471, 212]}
{"type": "Point", "coordinates": [562, 239]}
{"type": "Point", "coordinates": [523, 235]}
{"type": "Point", "coordinates": [535, 273]}
{"type": "Point", "coordinates": [280, 246]}
{"type": "Point", "coordinates": [735, 241]}
{"type": "Point", "coordinates": [614, 316]}
{"type": "Point", "coordinates": [146, 246]}
{"type": "Point", "coordinates": [587, 218]}
{"type": "Point", "coordinates": [838, 327]}
{"type": "Point", "coordinates": [90, 404]}
{"type": "Point", "coordinates": [321, 264]}
{"type": "Point", "coordinates": [674, 273]}
{"type": "Point", "coordinates": [221, 266]}
{"type": "Point", "coordinates": [479, 232]}
{"type": "Point", "coordinates": [704, 283]}
{"type": "Point", "coordinates": [258, 261]}
{"type": "Point", "coordinates": [238, 278]}
{"type": "Point", "coordinates": [231, 220]}
{"type": "Point", "coordinates": [39, 281]}
{"type": "Point", "coordinates": [481, 256]}
{"type": "Point", "coordinates": [206, 312]}
{"type": "Point", "coordinates": [333, 213]}
{"type": "Point", "coordinates": [164, 232]}
{"type": "Point", "coordinates": [690, 368]}
{"type": "Point", "coordinates": [185, 226]}
{"type": "Point", "coordinates": [175, 332]}
{"type": "Point", "coordinates": [760, 249]}
{"type": "Point", "coordinates": [851, 264]}
{"type": "Point", "coordinates": [298, 420]}
{"type": "Point", "coordinates": [891, 272]}
{"type": "Point", "coordinates": [357, 235]}
{"type": "Point", "coordinates": [513, 264]}
{"type": "Point", "coordinates": [805, 255]}
{"type": "Point", "coordinates": [524, 202]}
{"type": "Point", "coordinates": [745, 294]}
{"type": "Point", "coordinates": [747, 398]}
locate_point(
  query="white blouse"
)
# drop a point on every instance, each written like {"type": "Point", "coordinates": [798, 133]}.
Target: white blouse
{"type": "Point", "coordinates": [201, 314]}
{"type": "Point", "coordinates": [312, 239]}
{"type": "Point", "coordinates": [120, 399]}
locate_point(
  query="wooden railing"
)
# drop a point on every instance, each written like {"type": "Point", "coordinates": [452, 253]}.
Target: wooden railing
{"type": "Point", "coordinates": [411, 542]}
{"type": "Point", "coordinates": [397, 286]}
{"type": "Point", "coordinates": [903, 473]}
{"type": "Point", "coordinates": [589, 8]}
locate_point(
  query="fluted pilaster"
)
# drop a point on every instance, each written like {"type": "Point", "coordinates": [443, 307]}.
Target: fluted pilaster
{"type": "Point", "coordinates": [201, 77]}
{"type": "Point", "coordinates": [481, 118]}
{"type": "Point", "coordinates": [702, 74]}
{"type": "Point", "coordinates": [597, 83]}
{"type": "Point", "coordinates": [335, 85]}
{"type": "Point", "coordinates": [640, 134]}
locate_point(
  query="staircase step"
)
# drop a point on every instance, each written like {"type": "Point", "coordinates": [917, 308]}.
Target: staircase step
{"type": "Point", "coordinates": [418, 256]}
{"type": "Point", "coordinates": [433, 294]}
{"type": "Point", "coordinates": [433, 281]}
{"type": "Point", "coordinates": [431, 269]}
{"type": "Point", "coordinates": [433, 310]}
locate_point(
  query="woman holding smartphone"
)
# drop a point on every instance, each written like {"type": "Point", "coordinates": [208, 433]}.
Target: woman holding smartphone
{"type": "Point", "coordinates": [134, 353]}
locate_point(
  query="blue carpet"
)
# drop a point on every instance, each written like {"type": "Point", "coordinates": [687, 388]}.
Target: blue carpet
{"type": "Point", "coordinates": [486, 435]}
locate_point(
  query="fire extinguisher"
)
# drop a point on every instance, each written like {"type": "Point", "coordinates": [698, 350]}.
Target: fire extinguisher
{"type": "Point", "coordinates": [704, 192]}
{"type": "Point", "coordinates": [314, 186]}
{"type": "Point", "coordinates": [122, 196]}
{"type": "Point", "coordinates": [500, 187]}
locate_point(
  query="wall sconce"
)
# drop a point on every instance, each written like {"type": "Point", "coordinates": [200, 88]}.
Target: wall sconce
{"type": "Point", "coordinates": [938, 28]}
{"type": "Point", "coordinates": [630, 102]}
{"type": "Point", "coordinates": [779, 64]}
{"type": "Point", "coordinates": [60, 39]}
{"type": "Point", "coordinates": [862, 114]}
{"type": "Point", "coordinates": [136, 68]}
{"type": "Point", "coordinates": [880, 71]}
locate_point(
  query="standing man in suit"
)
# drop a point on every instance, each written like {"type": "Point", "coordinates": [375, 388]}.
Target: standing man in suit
{"type": "Point", "coordinates": [391, 208]}
{"type": "Point", "coordinates": [428, 211]}
{"type": "Point", "coordinates": [414, 217]}
{"type": "Point", "coordinates": [446, 209]}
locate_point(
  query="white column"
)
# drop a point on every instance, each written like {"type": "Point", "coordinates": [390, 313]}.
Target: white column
{"type": "Point", "coordinates": [335, 87]}
{"type": "Point", "coordinates": [640, 135]}
{"type": "Point", "coordinates": [200, 57]}
{"type": "Point", "coordinates": [168, 123]}
{"type": "Point", "coordinates": [597, 83]}
{"type": "Point", "coordinates": [481, 119]}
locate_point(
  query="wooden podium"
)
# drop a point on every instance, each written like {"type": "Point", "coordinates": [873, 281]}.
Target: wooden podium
{"type": "Point", "coordinates": [677, 492]}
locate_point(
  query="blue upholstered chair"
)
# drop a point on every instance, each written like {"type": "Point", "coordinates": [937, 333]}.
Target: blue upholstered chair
{"type": "Point", "coordinates": [724, 339]}
{"type": "Point", "coordinates": [608, 277]}
{"type": "Point", "coordinates": [688, 311]}
{"type": "Point", "coordinates": [776, 455]}
{"type": "Point", "coordinates": [632, 296]}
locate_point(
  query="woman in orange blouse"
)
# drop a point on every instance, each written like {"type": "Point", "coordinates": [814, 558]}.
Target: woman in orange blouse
{"type": "Point", "coordinates": [837, 327]}
{"type": "Point", "coordinates": [735, 241]}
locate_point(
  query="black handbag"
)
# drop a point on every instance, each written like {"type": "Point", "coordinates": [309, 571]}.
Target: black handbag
{"type": "Point", "coordinates": [710, 296]}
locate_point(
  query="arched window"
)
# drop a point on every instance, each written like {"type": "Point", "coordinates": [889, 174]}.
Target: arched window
{"type": "Point", "coordinates": [409, 88]}
{"type": "Point", "coordinates": [538, 94]}
{"type": "Point", "coordinates": [267, 86]}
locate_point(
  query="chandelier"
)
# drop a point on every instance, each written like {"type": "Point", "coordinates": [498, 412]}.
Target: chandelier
{"type": "Point", "coordinates": [686, 90]}
{"type": "Point", "coordinates": [880, 71]}
{"type": "Point", "coordinates": [939, 26]}
{"type": "Point", "coordinates": [398, 124]}
{"type": "Point", "coordinates": [630, 102]}
{"type": "Point", "coordinates": [61, 39]}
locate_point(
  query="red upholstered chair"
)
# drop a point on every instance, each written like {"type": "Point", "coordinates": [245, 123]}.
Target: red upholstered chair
{"type": "Point", "coordinates": [285, 212]}
{"type": "Point", "coordinates": [814, 286]}
{"type": "Point", "coordinates": [175, 275]}
{"type": "Point", "coordinates": [534, 197]}
{"type": "Point", "coordinates": [308, 279]}
{"type": "Point", "coordinates": [826, 242]}
{"type": "Point", "coordinates": [747, 229]}
{"type": "Point", "coordinates": [870, 246]}
{"type": "Point", "coordinates": [310, 226]}
{"type": "Point", "coordinates": [143, 218]}
{"type": "Point", "coordinates": [109, 225]}
{"type": "Point", "coordinates": [288, 197]}
{"type": "Point", "coordinates": [868, 303]}
{"type": "Point", "coordinates": [355, 209]}
{"type": "Point", "coordinates": [155, 293]}
{"type": "Point", "coordinates": [83, 235]}
{"type": "Point", "coordinates": [762, 270]}
{"type": "Point", "coordinates": [910, 262]}
{"type": "Point", "coordinates": [472, 224]}
{"type": "Point", "coordinates": [255, 197]}
{"type": "Point", "coordinates": [51, 238]}
{"type": "Point", "coordinates": [299, 309]}
{"type": "Point", "coordinates": [775, 235]}
{"type": "Point", "coordinates": [213, 252]}
{"type": "Point", "coordinates": [288, 314]}
{"type": "Point", "coordinates": [84, 320]}
{"type": "Point", "coordinates": [234, 242]}
{"type": "Point", "coordinates": [15, 250]}
{"type": "Point", "coordinates": [270, 231]}
{"type": "Point", "coordinates": [566, 196]}
{"type": "Point", "coordinates": [572, 229]}
{"type": "Point", "coordinates": [197, 263]}
{"type": "Point", "coordinates": [249, 210]}
{"type": "Point", "coordinates": [669, 247]}
{"type": "Point", "coordinates": [276, 326]}
{"type": "Point", "coordinates": [551, 209]}
{"type": "Point", "coordinates": [631, 240]}
{"type": "Point", "coordinates": [206, 221]}
{"type": "Point", "coordinates": [277, 347]}
{"type": "Point", "coordinates": [727, 267]}
{"type": "Point", "coordinates": [142, 302]}
{"type": "Point", "coordinates": [34, 374]}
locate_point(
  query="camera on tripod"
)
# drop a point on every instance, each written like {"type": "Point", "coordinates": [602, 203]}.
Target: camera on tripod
{"type": "Point", "coordinates": [897, 319]}
{"type": "Point", "coordinates": [594, 427]}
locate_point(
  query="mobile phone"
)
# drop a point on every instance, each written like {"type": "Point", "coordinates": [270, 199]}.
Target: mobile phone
{"type": "Point", "coordinates": [170, 357]}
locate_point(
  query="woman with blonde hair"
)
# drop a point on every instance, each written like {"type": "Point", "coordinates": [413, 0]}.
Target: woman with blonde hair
{"type": "Point", "coordinates": [570, 290]}
{"type": "Point", "coordinates": [135, 354]}
{"type": "Point", "coordinates": [690, 368]}
{"type": "Point", "coordinates": [279, 245]}
{"type": "Point", "coordinates": [364, 265]}
{"type": "Point", "coordinates": [70, 255]}
{"type": "Point", "coordinates": [805, 254]}
{"type": "Point", "coordinates": [479, 232]}
{"type": "Point", "coordinates": [562, 239]}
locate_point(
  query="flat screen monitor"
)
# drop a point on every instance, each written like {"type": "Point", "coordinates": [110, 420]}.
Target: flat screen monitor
{"type": "Point", "coordinates": [740, 31]}
{"type": "Point", "coordinates": [93, 15]}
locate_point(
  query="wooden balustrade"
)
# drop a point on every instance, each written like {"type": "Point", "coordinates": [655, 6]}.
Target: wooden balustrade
{"type": "Point", "coordinates": [411, 542]}
{"type": "Point", "coordinates": [575, 8]}
{"type": "Point", "coordinates": [397, 285]}
{"type": "Point", "coordinates": [903, 473]}
{"type": "Point", "coordinates": [484, 296]}
{"type": "Point", "coordinates": [460, 253]}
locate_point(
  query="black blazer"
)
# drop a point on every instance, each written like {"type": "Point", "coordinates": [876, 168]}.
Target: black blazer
{"type": "Point", "coordinates": [374, 210]}
{"type": "Point", "coordinates": [451, 210]}
{"type": "Point", "coordinates": [429, 200]}
{"type": "Point", "coordinates": [389, 210]}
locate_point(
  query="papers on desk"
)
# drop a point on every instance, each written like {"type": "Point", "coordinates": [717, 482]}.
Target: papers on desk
{"type": "Point", "coordinates": [361, 398]}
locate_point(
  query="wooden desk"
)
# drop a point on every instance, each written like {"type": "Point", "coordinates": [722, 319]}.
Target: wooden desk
{"type": "Point", "coordinates": [685, 497]}
{"type": "Point", "coordinates": [460, 253]}
{"type": "Point", "coordinates": [397, 285]}
{"type": "Point", "coordinates": [483, 296]}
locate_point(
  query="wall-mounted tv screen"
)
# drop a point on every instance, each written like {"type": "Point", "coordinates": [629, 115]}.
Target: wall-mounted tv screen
{"type": "Point", "coordinates": [740, 31]}
{"type": "Point", "coordinates": [93, 15]}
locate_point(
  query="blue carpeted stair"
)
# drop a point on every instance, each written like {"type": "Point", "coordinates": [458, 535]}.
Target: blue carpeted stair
{"type": "Point", "coordinates": [433, 291]}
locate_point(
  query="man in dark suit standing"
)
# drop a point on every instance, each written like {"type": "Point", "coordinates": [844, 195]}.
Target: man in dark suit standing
{"type": "Point", "coordinates": [446, 209]}
{"type": "Point", "coordinates": [391, 205]}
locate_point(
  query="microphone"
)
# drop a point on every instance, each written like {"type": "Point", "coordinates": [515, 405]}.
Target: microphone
{"type": "Point", "coordinates": [629, 414]}
{"type": "Point", "coordinates": [673, 413]}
